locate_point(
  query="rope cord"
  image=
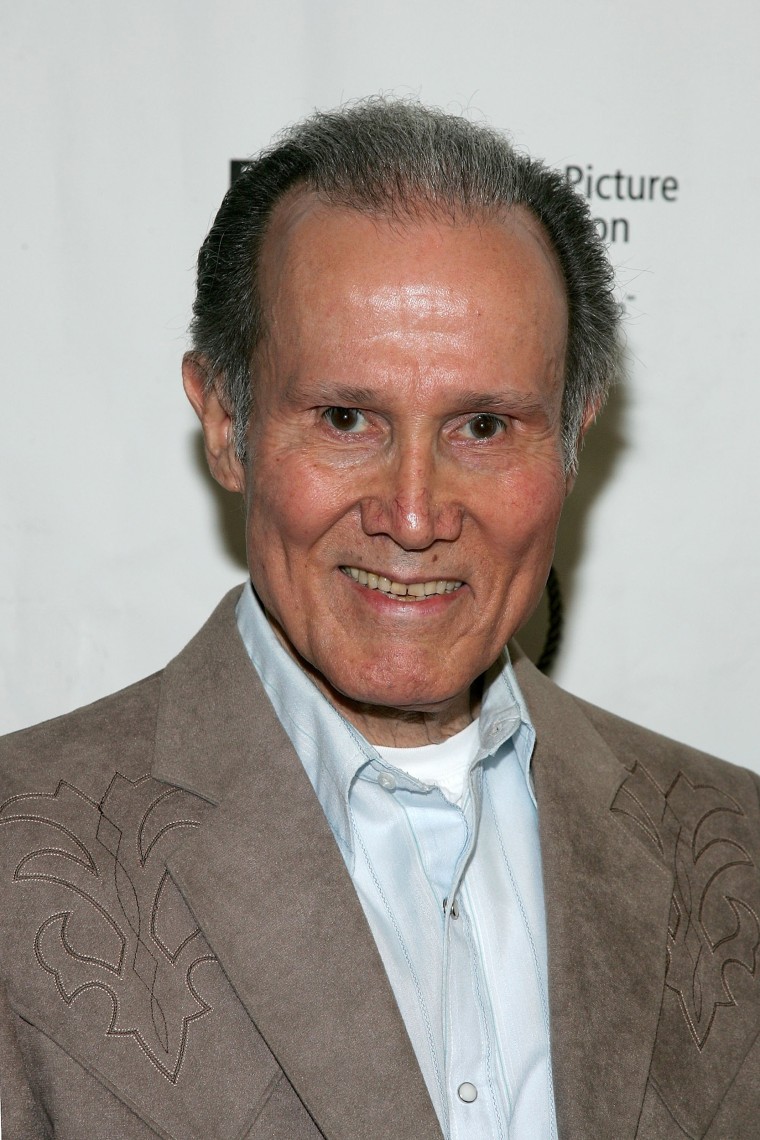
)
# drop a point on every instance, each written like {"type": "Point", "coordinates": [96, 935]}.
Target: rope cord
{"type": "Point", "coordinates": [556, 619]}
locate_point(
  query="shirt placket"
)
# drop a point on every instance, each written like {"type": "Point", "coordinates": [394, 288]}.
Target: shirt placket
{"type": "Point", "coordinates": [471, 1062]}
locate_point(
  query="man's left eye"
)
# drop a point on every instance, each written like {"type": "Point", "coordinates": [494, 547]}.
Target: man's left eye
{"type": "Point", "coordinates": [344, 419]}
{"type": "Point", "coordinates": [484, 426]}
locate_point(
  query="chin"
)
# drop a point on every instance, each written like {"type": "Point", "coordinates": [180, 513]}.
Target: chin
{"type": "Point", "coordinates": [406, 689]}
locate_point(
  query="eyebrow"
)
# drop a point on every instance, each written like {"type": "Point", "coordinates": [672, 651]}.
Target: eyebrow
{"type": "Point", "coordinates": [505, 400]}
{"type": "Point", "coordinates": [343, 395]}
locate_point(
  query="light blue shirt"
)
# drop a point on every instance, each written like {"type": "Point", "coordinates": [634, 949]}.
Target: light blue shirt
{"type": "Point", "coordinates": [470, 976]}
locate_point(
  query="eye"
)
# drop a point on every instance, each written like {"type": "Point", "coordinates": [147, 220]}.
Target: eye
{"type": "Point", "coordinates": [344, 419]}
{"type": "Point", "coordinates": [484, 426]}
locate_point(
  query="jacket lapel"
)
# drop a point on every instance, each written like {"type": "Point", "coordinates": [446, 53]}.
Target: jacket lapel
{"type": "Point", "coordinates": [269, 889]}
{"type": "Point", "coordinates": [607, 903]}
{"type": "Point", "coordinates": [268, 886]}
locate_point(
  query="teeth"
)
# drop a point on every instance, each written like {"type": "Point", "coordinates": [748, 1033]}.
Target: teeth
{"type": "Point", "coordinates": [414, 592]}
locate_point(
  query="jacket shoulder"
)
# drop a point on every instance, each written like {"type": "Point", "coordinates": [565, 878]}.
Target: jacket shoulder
{"type": "Point", "coordinates": [664, 757]}
{"type": "Point", "coordinates": [564, 715]}
{"type": "Point", "coordinates": [115, 732]}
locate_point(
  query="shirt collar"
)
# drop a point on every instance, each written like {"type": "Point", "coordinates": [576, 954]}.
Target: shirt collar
{"type": "Point", "coordinates": [504, 716]}
{"type": "Point", "coordinates": [331, 750]}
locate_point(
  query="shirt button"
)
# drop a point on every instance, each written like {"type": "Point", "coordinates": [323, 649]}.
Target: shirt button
{"type": "Point", "coordinates": [467, 1092]}
{"type": "Point", "coordinates": [387, 781]}
{"type": "Point", "coordinates": [453, 910]}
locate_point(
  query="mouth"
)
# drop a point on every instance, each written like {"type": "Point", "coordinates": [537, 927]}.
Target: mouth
{"type": "Point", "coordinates": [402, 591]}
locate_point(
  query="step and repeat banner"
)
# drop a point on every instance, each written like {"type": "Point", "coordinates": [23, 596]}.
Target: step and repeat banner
{"type": "Point", "coordinates": [119, 125]}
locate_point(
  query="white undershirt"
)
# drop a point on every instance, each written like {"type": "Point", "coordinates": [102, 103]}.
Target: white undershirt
{"type": "Point", "coordinates": [445, 766]}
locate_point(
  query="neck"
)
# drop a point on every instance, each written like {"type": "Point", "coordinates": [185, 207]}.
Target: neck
{"type": "Point", "coordinates": [406, 728]}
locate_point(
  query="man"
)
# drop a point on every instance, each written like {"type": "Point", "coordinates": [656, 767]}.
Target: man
{"type": "Point", "coordinates": [345, 869]}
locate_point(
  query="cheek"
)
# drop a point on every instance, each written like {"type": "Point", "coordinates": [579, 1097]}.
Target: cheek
{"type": "Point", "coordinates": [292, 504]}
{"type": "Point", "coordinates": [526, 519]}
{"type": "Point", "coordinates": [275, 539]}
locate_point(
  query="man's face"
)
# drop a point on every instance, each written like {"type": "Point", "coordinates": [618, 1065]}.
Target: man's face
{"type": "Point", "coordinates": [405, 474]}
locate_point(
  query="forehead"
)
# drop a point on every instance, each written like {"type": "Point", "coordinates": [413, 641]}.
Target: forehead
{"type": "Point", "coordinates": [347, 294]}
{"type": "Point", "coordinates": [315, 250]}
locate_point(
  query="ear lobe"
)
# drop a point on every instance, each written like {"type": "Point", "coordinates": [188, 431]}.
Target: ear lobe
{"type": "Point", "coordinates": [588, 419]}
{"type": "Point", "coordinates": [592, 411]}
{"type": "Point", "coordinates": [216, 422]}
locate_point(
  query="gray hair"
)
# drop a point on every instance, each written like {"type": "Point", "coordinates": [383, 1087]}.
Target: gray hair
{"type": "Point", "coordinates": [399, 158]}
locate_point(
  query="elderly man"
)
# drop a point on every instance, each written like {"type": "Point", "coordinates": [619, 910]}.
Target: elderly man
{"type": "Point", "coordinates": [345, 868]}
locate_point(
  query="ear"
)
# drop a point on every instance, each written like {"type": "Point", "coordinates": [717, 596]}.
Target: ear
{"type": "Point", "coordinates": [216, 421]}
{"type": "Point", "coordinates": [588, 418]}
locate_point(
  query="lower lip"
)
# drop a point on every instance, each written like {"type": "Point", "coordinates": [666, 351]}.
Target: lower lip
{"type": "Point", "coordinates": [388, 603]}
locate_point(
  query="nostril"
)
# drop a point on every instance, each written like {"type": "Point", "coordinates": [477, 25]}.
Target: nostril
{"type": "Point", "coordinates": [412, 521]}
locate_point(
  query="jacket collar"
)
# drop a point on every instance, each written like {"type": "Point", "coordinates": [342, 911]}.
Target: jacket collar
{"type": "Point", "coordinates": [607, 904]}
{"type": "Point", "coordinates": [309, 973]}
{"type": "Point", "coordinates": [267, 885]}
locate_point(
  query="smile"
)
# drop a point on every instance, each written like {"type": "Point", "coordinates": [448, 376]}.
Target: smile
{"type": "Point", "coordinates": [412, 592]}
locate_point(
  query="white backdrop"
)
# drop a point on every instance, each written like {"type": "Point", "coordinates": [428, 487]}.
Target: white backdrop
{"type": "Point", "coordinates": [117, 126]}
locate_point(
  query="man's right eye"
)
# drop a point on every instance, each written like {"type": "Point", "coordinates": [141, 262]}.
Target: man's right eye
{"type": "Point", "coordinates": [344, 419]}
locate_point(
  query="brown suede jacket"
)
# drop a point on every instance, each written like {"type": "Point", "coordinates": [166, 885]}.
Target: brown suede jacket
{"type": "Point", "coordinates": [183, 955]}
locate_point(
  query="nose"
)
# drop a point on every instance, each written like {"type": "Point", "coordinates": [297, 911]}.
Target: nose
{"type": "Point", "coordinates": [413, 501]}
